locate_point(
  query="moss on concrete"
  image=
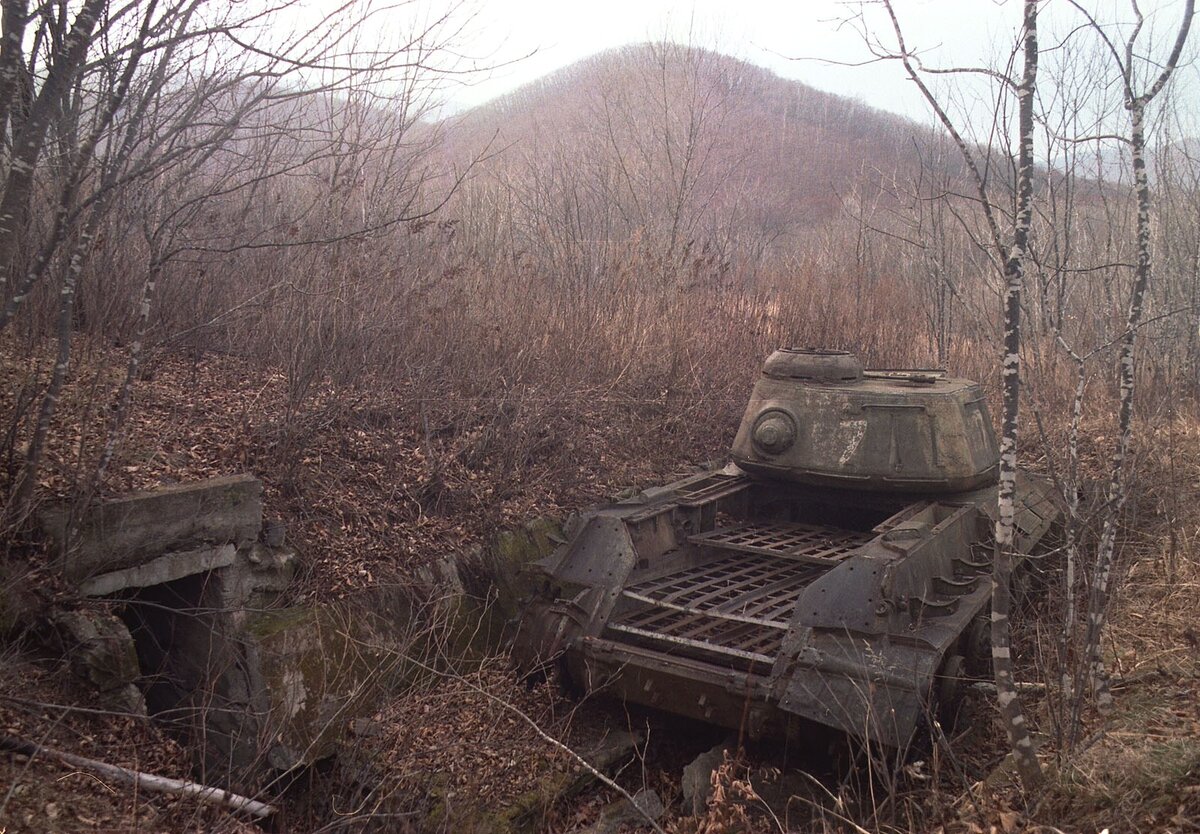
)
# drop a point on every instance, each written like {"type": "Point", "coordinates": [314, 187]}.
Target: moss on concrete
{"type": "Point", "coordinates": [321, 667]}
{"type": "Point", "coordinates": [266, 624]}
{"type": "Point", "coordinates": [512, 551]}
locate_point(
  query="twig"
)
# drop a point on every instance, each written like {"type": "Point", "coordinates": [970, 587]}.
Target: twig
{"type": "Point", "coordinates": [143, 781]}
{"type": "Point", "coordinates": [542, 734]}
{"type": "Point", "coordinates": [824, 809]}
{"type": "Point", "coordinates": [44, 705]}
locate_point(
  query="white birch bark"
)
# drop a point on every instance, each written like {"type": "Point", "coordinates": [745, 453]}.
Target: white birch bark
{"type": "Point", "coordinates": [1019, 736]}
{"type": "Point", "coordinates": [1135, 103]}
{"type": "Point", "coordinates": [1012, 257]}
{"type": "Point", "coordinates": [142, 780]}
{"type": "Point", "coordinates": [14, 18]}
{"type": "Point", "coordinates": [1067, 680]}
{"type": "Point", "coordinates": [28, 141]}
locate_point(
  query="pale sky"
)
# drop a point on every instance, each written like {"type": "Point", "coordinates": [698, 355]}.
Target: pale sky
{"type": "Point", "coordinates": [771, 32]}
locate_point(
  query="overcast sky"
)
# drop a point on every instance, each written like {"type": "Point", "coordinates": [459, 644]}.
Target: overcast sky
{"type": "Point", "coordinates": [789, 36]}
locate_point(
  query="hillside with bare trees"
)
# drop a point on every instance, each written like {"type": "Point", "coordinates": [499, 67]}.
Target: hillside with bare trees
{"type": "Point", "coordinates": [683, 143]}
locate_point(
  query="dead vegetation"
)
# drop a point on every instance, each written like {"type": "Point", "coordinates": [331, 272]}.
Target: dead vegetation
{"type": "Point", "coordinates": [412, 360]}
{"type": "Point", "coordinates": [199, 417]}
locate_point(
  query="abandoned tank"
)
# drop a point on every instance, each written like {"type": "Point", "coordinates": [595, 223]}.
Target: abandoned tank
{"type": "Point", "coordinates": [837, 571]}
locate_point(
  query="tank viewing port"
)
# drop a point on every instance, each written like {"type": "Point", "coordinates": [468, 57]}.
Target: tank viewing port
{"type": "Point", "coordinates": [774, 432]}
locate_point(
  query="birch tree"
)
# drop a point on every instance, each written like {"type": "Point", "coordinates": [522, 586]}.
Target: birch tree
{"type": "Point", "coordinates": [178, 106]}
{"type": "Point", "coordinates": [1019, 736]}
{"type": "Point", "coordinates": [1136, 101]}
{"type": "Point", "coordinates": [1009, 249]}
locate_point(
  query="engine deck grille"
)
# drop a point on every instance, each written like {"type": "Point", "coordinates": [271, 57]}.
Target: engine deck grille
{"type": "Point", "coordinates": [733, 610]}
{"type": "Point", "coordinates": [805, 542]}
{"type": "Point", "coordinates": [717, 485]}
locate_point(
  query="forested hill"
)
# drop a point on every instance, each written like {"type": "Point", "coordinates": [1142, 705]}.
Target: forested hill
{"type": "Point", "coordinates": [667, 136]}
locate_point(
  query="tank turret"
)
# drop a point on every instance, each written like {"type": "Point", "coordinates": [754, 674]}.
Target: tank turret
{"type": "Point", "coordinates": [817, 417]}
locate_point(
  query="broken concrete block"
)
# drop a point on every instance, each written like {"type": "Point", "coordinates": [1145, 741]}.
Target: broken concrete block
{"type": "Point", "coordinates": [102, 652]}
{"type": "Point", "coordinates": [158, 571]}
{"type": "Point", "coordinates": [289, 681]}
{"type": "Point", "coordinates": [255, 578]}
{"type": "Point", "coordinates": [274, 533]}
{"type": "Point", "coordinates": [131, 530]}
{"type": "Point", "coordinates": [316, 669]}
{"type": "Point", "coordinates": [696, 785]}
{"type": "Point", "coordinates": [511, 552]}
{"type": "Point", "coordinates": [616, 749]}
{"type": "Point", "coordinates": [646, 807]}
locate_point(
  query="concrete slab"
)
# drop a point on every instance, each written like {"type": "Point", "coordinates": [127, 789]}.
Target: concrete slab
{"type": "Point", "coordinates": [141, 527]}
{"type": "Point", "coordinates": [166, 568]}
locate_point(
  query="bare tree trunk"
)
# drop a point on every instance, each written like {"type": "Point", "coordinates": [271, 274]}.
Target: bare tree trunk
{"type": "Point", "coordinates": [13, 20]}
{"type": "Point", "coordinates": [125, 396]}
{"type": "Point", "coordinates": [41, 261]}
{"type": "Point", "coordinates": [1135, 103]}
{"type": "Point", "coordinates": [81, 157]}
{"type": "Point", "coordinates": [28, 141]}
{"type": "Point", "coordinates": [142, 780]}
{"type": "Point", "coordinates": [1024, 751]}
{"type": "Point", "coordinates": [1126, 368]}
{"type": "Point", "coordinates": [22, 502]}
{"type": "Point", "coordinates": [1012, 259]}
{"type": "Point", "coordinates": [1067, 680]}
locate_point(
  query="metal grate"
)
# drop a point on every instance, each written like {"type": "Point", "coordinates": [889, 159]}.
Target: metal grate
{"type": "Point", "coordinates": [711, 488]}
{"type": "Point", "coordinates": [806, 542]}
{"type": "Point", "coordinates": [707, 638]}
{"type": "Point", "coordinates": [735, 608]}
{"type": "Point", "coordinates": [763, 588]}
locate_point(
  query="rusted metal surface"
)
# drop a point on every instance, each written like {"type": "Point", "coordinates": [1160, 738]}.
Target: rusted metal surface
{"type": "Point", "coordinates": [806, 542]}
{"type": "Point", "coordinates": [761, 594]}
{"type": "Point", "coordinates": [892, 431]}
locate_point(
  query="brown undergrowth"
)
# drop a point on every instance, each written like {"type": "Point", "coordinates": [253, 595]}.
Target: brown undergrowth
{"type": "Point", "coordinates": [42, 702]}
{"type": "Point", "coordinates": [378, 477]}
{"type": "Point", "coordinates": [374, 480]}
{"type": "Point", "coordinates": [1139, 767]}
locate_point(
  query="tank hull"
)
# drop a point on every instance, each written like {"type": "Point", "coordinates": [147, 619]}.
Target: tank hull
{"type": "Point", "coordinates": [764, 605]}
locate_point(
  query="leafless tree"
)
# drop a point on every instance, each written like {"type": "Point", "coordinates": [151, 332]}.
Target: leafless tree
{"type": "Point", "coordinates": [150, 119]}
{"type": "Point", "coordinates": [1009, 248]}
{"type": "Point", "coordinates": [1136, 99]}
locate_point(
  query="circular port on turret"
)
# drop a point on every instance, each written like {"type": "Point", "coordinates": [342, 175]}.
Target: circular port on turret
{"type": "Point", "coordinates": [774, 432]}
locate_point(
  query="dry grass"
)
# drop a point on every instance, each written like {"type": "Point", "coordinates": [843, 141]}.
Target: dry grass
{"type": "Point", "coordinates": [1141, 770]}
{"type": "Point", "coordinates": [376, 483]}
